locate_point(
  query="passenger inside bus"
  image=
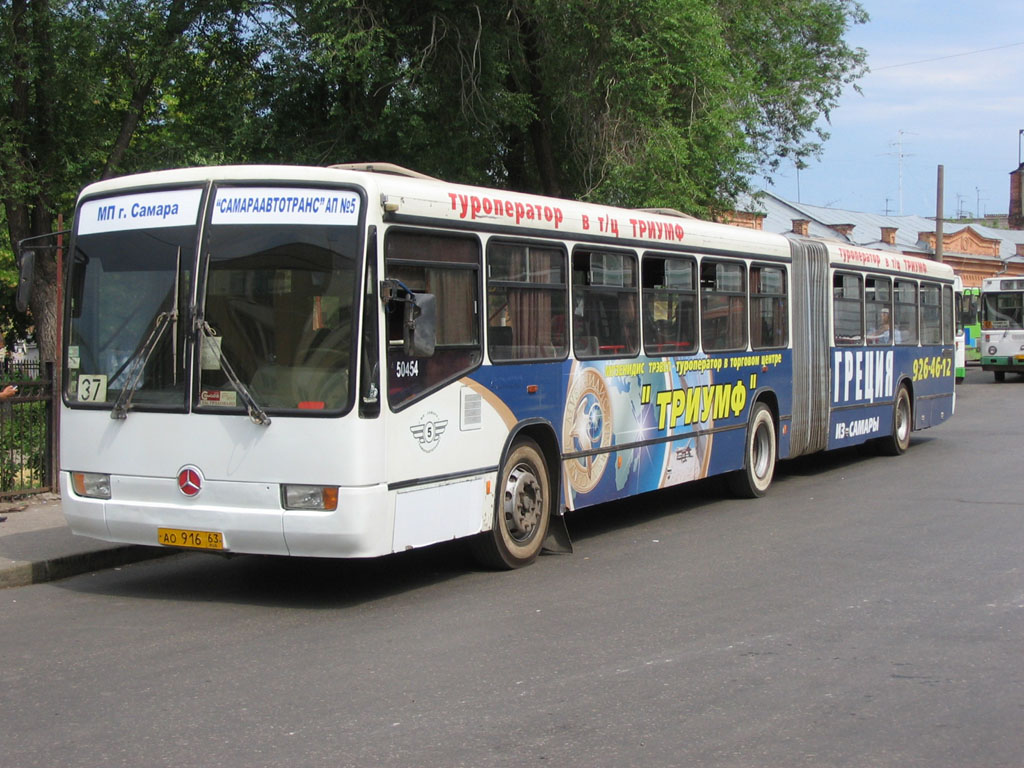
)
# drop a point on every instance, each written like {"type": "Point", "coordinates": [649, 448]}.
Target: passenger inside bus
{"type": "Point", "coordinates": [883, 333]}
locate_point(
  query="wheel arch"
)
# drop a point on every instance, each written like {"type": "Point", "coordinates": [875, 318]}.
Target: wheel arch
{"type": "Point", "coordinates": [906, 381]}
{"type": "Point", "coordinates": [543, 434]}
{"type": "Point", "coordinates": [769, 398]}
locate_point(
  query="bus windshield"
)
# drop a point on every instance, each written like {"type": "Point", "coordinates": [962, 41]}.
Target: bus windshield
{"type": "Point", "coordinates": [276, 276]}
{"type": "Point", "coordinates": [1003, 311]}
{"type": "Point", "coordinates": [279, 307]}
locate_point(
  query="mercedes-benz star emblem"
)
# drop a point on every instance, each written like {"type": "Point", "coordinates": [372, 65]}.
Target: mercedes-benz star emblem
{"type": "Point", "coordinates": [190, 481]}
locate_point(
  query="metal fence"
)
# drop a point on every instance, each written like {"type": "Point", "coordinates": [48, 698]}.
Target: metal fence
{"type": "Point", "coordinates": [27, 430]}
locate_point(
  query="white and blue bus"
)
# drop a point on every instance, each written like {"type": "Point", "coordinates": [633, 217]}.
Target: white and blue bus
{"type": "Point", "coordinates": [355, 361]}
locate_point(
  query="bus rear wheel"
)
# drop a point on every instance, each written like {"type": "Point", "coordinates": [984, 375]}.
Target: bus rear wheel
{"type": "Point", "coordinates": [759, 456]}
{"type": "Point", "coordinates": [902, 425]}
{"type": "Point", "coordinates": [522, 510]}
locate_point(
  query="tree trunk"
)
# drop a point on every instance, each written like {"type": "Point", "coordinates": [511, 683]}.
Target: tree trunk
{"type": "Point", "coordinates": [29, 214]}
{"type": "Point", "coordinates": [44, 305]}
{"type": "Point", "coordinates": [540, 127]}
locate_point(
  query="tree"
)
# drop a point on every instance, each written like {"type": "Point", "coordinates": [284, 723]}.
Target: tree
{"type": "Point", "coordinates": [634, 102]}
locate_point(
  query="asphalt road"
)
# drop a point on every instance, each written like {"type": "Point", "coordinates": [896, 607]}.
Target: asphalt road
{"type": "Point", "coordinates": [868, 612]}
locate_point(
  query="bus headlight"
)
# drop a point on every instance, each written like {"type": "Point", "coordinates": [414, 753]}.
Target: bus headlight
{"type": "Point", "coordinates": [92, 485]}
{"type": "Point", "coordinates": [991, 350]}
{"type": "Point", "coordinates": [323, 497]}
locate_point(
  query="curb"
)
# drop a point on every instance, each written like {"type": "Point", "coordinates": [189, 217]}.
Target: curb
{"type": "Point", "coordinates": [22, 573]}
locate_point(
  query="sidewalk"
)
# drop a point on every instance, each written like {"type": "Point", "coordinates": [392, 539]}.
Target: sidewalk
{"type": "Point", "coordinates": [36, 545]}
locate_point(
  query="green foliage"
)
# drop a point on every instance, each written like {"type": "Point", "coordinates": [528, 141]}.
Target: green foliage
{"type": "Point", "coordinates": [650, 113]}
{"type": "Point", "coordinates": [795, 67]}
{"type": "Point", "coordinates": [671, 103]}
{"type": "Point", "coordinates": [13, 324]}
{"type": "Point", "coordinates": [638, 102]}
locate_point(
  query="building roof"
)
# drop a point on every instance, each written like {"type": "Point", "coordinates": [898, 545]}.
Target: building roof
{"type": "Point", "coordinates": [867, 227]}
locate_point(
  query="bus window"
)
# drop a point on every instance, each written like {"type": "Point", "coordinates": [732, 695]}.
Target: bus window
{"type": "Point", "coordinates": [446, 266]}
{"type": "Point", "coordinates": [723, 305]}
{"type": "Point", "coordinates": [1002, 310]}
{"type": "Point", "coordinates": [847, 309]}
{"type": "Point", "coordinates": [769, 307]}
{"type": "Point", "coordinates": [931, 313]}
{"type": "Point", "coordinates": [527, 298]}
{"type": "Point", "coordinates": [605, 317]}
{"type": "Point", "coordinates": [670, 305]}
{"type": "Point", "coordinates": [906, 312]}
{"type": "Point", "coordinates": [971, 307]}
{"type": "Point", "coordinates": [878, 309]}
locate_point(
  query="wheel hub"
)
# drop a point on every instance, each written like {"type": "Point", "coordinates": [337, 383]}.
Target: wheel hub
{"type": "Point", "coordinates": [523, 503]}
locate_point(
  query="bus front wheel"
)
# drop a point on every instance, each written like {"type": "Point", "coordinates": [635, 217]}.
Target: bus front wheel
{"type": "Point", "coordinates": [902, 425]}
{"type": "Point", "coordinates": [758, 457]}
{"type": "Point", "coordinates": [522, 510]}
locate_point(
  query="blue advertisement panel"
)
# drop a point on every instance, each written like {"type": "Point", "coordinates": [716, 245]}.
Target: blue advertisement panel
{"type": "Point", "coordinates": [864, 386]}
{"type": "Point", "coordinates": [648, 423]}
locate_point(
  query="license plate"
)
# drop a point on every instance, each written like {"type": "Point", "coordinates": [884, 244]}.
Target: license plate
{"type": "Point", "coordinates": [182, 537]}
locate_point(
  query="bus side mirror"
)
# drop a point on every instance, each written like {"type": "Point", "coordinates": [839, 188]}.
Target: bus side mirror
{"type": "Point", "coordinates": [420, 325]}
{"type": "Point", "coordinates": [26, 271]}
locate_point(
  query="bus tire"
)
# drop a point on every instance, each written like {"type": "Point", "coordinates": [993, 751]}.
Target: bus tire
{"type": "Point", "coordinates": [902, 425]}
{"type": "Point", "coordinates": [1000, 376]}
{"type": "Point", "coordinates": [522, 510]}
{"type": "Point", "coordinates": [759, 456]}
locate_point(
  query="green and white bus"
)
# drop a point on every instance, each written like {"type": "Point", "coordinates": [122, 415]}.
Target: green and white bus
{"type": "Point", "coordinates": [1002, 325]}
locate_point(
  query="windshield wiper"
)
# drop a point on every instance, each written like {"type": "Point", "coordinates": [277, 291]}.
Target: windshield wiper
{"type": "Point", "coordinates": [256, 414]}
{"type": "Point", "coordinates": [137, 363]}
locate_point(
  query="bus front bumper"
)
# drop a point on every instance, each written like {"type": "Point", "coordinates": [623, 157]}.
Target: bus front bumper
{"type": "Point", "coordinates": [1002, 363]}
{"type": "Point", "coordinates": [231, 517]}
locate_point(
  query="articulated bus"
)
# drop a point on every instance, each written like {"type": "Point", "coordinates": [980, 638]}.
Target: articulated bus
{"type": "Point", "coordinates": [1002, 326]}
{"type": "Point", "coordinates": [356, 361]}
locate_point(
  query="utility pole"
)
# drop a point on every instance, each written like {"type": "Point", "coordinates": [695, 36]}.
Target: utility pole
{"type": "Point", "coordinates": [938, 214]}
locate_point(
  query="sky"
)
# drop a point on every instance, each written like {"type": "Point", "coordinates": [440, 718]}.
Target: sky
{"type": "Point", "coordinates": [946, 87]}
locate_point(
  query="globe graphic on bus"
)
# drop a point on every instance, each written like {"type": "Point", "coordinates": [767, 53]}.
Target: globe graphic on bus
{"type": "Point", "coordinates": [587, 434]}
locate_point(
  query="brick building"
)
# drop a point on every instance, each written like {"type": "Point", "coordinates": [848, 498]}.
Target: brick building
{"type": "Point", "coordinates": [1016, 218]}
